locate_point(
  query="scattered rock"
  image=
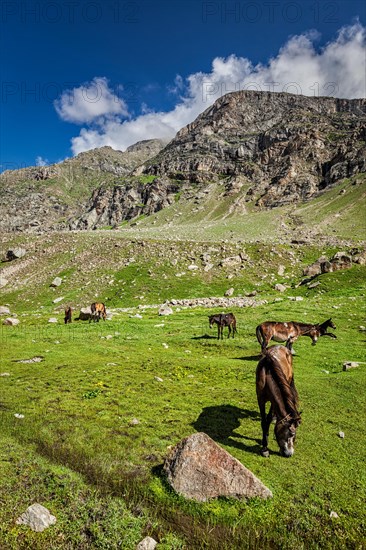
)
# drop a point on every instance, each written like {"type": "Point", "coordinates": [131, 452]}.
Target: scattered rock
{"type": "Point", "coordinates": [333, 515]}
{"type": "Point", "coordinates": [229, 292]}
{"type": "Point", "coordinates": [3, 282]}
{"type": "Point", "coordinates": [341, 435]}
{"type": "Point", "coordinates": [280, 287]}
{"type": "Point", "coordinates": [350, 365]}
{"type": "Point", "coordinates": [56, 282]}
{"type": "Point", "coordinates": [15, 253]}
{"type": "Point", "coordinates": [165, 310]}
{"type": "Point", "coordinates": [36, 359]}
{"type": "Point", "coordinates": [281, 270]}
{"type": "Point", "coordinates": [52, 320]}
{"type": "Point", "coordinates": [37, 517]}
{"type": "Point", "coordinates": [18, 415]}
{"type": "Point", "coordinates": [11, 321]}
{"type": "Point", "coordinates": [57, 300]}
{"type": "Point", "coordinates": [158, 379]}
{"type": "Point", "coordinates": [5, 374]}
{"type": "Point", "coordinates": [134, 422]}
{"type": "Point", "coordinates": [192, 267]}
{"type": "Point", "coordinates": [4, 310]}
{"type": "Point", "coordinates": [314, 285]}
{"type": "Point", "coordinates": [148, 543]}
{"type": "Point", "coordinates": [199, 469]}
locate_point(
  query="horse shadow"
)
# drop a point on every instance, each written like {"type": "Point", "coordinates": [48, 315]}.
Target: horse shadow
{"type": "Point", "coordinates": [204, 337]}
{"type": "Point", "coordinates": [220, 422]}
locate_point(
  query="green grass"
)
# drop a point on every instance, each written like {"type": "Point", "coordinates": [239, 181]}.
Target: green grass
{"type": "Point", "coordinates": [77, 452]}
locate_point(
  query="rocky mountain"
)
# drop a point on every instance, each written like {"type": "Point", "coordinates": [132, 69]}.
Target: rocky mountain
{"type": "Point", "coordinates": [285, 147]}
{"type": "Point", "coordinates": [47, 197]}
{"type": "Point", "coordinates": [263, 148]}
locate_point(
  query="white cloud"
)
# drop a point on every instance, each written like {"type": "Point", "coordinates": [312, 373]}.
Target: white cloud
{"type": "Point", "coordinates": [41, 161]}
{"type": "Point", "coordinates": [338, 69]}
{"type": "Point", "coordinates": [90, 102]}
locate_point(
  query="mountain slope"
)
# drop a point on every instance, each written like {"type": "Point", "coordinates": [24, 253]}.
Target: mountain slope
{"type": "Point", "coordinates": [287, 147]}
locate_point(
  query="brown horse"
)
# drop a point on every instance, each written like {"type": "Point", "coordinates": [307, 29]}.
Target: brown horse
{"type": "Point", "coordinates": [98, 310]}
{"type": "Point", "coordinates": [223, 320]}
{"type": "Point", "coordinates": [275, 383]}
{"type": "Point", "coordinates": [68, 315]}
{"type": "Point", "coordinates": [281, 332]}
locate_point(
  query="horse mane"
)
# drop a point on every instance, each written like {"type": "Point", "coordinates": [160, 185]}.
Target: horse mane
{"type": "Point", "coordinates": [282, 388]}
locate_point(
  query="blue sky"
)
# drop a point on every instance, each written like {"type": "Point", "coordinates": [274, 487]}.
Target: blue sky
{"type": "Point", "coordinates": [77, 74]}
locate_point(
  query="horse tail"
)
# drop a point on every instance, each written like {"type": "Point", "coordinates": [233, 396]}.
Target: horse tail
{"type": "Point", "coordinates": [259, 334]}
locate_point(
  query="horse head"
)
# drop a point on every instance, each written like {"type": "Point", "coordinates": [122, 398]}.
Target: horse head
{"type": "Point", "coordinates": [211, 320]}
{"type": "Point", "coordinates": [285, 433]}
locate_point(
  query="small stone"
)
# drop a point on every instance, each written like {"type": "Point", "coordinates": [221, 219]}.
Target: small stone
{"type": "Point", "coordinates": [56, 282]}
{"type": "Point", "coordinates": [280, 287]}
{"type": "Point", "coordinates": [148, 543]}
{"type": "Point", "coordinates": [165, 310]}
{"type": "Point", "coordinates": [52, 320]}
{"type": "Point", "coordinates": [229, 292]}
{"type": "Point", "coordinates": [37, 517]}
{"type": "Point", "coordinates": [134, 422]}
{"type": "Point", "coordinates": [158, 379]}
{"type": "Point", "coordinates": [4, 310]}
{"type": "Point", "coordinates": [11, 321]}
{"type": "Point", "coordinates": [333, 515]}
{"type": "Point", "coordinates": [341, 435]}
{"type": "Point", "coordinates": [4, 374]}
{"type": "Point", "coordinates": [57, 300]}
{"type": "Point", "coordinates": [350, 365]}
{"type": "Point", "coordinates": [18, 415]}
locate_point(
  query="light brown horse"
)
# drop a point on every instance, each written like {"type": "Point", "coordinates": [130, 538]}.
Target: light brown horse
{"type": "Point", "coordinates": [98, 310]}
{"type": "Point", "coordinates": [281, 332]}
{"type": "Point", "coordinates": [275, 383]}
{"type": "Point", "coordinates": [223, 320]}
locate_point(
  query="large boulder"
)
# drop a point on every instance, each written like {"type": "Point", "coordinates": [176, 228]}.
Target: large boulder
{"type": "Point", "coordinates": [199, 469]}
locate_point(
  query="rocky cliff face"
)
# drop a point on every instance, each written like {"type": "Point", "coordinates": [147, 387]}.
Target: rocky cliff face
{"type": "Point", "coordinates": [47, 197]}
{"type": "Point", "coordinates": [288, 147]}
{"type": "Point", "coordinates": [266, 148]}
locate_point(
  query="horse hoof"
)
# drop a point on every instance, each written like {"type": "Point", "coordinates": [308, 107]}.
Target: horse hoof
{"type": "Point", "coordinates": [265, 454]}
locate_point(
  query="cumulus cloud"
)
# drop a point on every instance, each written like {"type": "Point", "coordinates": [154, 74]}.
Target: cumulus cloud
{"type": "Point", "coordinates": [90, 102]}
{"type": "Point", "coordinates": [338, 69]}
{"type": "Point", "coordinates": [41, 161]}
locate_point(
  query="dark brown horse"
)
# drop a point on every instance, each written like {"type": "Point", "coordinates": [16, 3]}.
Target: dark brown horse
{"type": "Point", "coordinates": [68, 315]}
{"type": "Point", "coordinates": [223, 320]}
{"type": "Point", "coordinates": [98, 310]}
{"type": "Point", "coordinates": [275, 383]}
{"type": "Point", "coordinates": [281, 332]}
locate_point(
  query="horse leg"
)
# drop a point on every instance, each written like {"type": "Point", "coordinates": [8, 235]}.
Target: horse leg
{"type": "Point", "coordinates": [229, 327]}
{"type": "Point", "coordinates": [265, 423]}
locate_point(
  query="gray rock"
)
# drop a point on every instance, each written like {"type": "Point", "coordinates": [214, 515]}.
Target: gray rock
{"type": "Point", "coordinates": [37, 517]}
{"type": "Point", "coordinates": [52, 320]}
{"type": "Point", "coordinates": [280, 287]}
{"type": "Point", "coordinates": [165, 310]}
{"type": "Point", "coordinates": [3, 282]}
{"type": "Point", "coordinates": [229, 292]}
{"type": "Point", "coordinates": [11, 321]}
{"type": "Point", "coordinates": [199, 469]}
{"type": "Point", "coordinates": [15, 253]}
{"type": "Point", "coordinates": [350, 365]}
{"type": "Point", "coordinates": [56, 282]}
{"type": "Point", "coordinates": [57, 300]}
{"type": "Point", "coordinates": [148, 543]}
{"type": "Point", "coordinates": [4, 310]}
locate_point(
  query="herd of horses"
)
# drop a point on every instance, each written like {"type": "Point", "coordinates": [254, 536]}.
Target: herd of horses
{"type": "Point", "coordinates": [274, 373]}
{"type": "Point", "coordinates": [97, 309]}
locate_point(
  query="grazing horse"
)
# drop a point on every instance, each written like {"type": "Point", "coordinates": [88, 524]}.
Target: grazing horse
{"type": "Point", "coordinates": [223, 320]}
{"type": "Point", "coordinates": [68, 314]}
{"type": "Point", "coordinates": [98, 310]}
{"type": "Point", "coordinates": [275, 383]}
{"type": "Point", "coordinates": [281, 332]}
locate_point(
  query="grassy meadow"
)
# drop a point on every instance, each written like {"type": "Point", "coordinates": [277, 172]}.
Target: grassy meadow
{"type": "Point", "coordinates": [85, 428]}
